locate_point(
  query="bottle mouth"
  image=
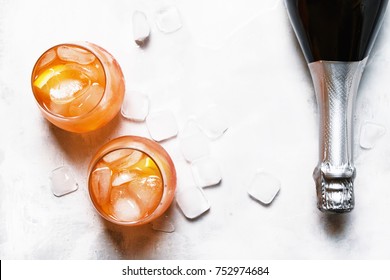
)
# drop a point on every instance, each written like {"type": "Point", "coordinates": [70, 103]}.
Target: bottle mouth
{"type": "Point", "coordinates": [334, 195]}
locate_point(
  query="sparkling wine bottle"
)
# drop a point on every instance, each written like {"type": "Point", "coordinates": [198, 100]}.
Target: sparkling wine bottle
{"type": "Point", "coordinates": [336, 37]}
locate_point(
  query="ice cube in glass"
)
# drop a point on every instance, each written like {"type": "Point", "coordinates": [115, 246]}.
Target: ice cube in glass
{"type": "Point", "coordinates": [132, 180]}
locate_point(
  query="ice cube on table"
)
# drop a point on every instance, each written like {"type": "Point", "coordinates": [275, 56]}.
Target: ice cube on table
{"type": "Point", "coordinates": [213, 122]}
{"type": "Point", "coordinates": [195, 146]}
{"type": "Point", "coordinates": [135, 106]}
{"type": "Point", "coordinates": [162, 125]}
{"type": "Point", "coordinates": [126, 210]}
{"type": "Point", "coordinates": [168, 19]}
{"type": "Point", "coordinates": [206, 172]}
{"type": "Point", "coordinates": [370, 133]}
{"type": "Point", "coordinates": [163, 224]}
{"type": "Point", "coordinates": [190, 128]}
{"type": "Point", "coordinates": [141, 28]}
{"type": "Point", "coordinates": [63, 181]}
{"type": "Point", "coordinates": [75, 54]}
{"type": "Point", "coordinates": [192, 202]}
{"type": "Point", "coordinates": [264, 187]}
{"type": "Point", "coordinates": [101, 183]}
{"type": "Point", "coordinates": [184, 174]}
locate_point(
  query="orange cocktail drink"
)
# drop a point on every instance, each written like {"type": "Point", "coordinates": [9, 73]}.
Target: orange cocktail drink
{"type": "Point", "coordinates": [132, 180]}
{"type": "Point", "coordinates": [78, 87]}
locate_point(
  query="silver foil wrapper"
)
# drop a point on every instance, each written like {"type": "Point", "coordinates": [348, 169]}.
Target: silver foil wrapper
{"type": "Point", "coordinates": [336, 84]}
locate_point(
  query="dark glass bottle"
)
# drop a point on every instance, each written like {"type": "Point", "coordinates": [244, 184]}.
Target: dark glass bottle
{"type": "Point", "coordinates": [336, 37]}
{"type": "Point", "coordinates": [336, 30]}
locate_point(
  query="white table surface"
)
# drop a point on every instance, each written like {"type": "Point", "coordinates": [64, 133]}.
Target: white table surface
{"type": "Point", "coordinates": [239, 55]}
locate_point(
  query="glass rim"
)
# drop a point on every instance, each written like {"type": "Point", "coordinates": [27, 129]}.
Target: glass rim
{"type": "Point", "coordinates": [82, 46]}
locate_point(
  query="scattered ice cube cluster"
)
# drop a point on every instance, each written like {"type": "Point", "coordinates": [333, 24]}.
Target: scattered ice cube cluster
{"type": "Point", "coordinates": [162, 125]}
{"type": "Point", "coordinates": [199, 169]}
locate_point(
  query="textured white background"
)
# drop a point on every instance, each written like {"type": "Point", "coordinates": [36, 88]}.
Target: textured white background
{"type": "Point", "coordinates": [240, 55]}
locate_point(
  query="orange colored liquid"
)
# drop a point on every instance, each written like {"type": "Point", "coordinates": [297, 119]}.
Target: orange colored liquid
{"type": "Point", "coordinates": [126, 185]}
{"type": "Point", "coordinates": [131, 180]}
{"type": "Point", "coordinates": [78, 87]}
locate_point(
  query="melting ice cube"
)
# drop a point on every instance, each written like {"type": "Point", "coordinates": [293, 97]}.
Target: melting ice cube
{"type": "Point", "coordinates": [162, 125]}
{"type": "Point", "coordinates": [370, 133]}
{"type": "Point", "coordinates": [192, 202]}
{"type": "Point", "coordinates": [184, 174]}
{"type": "Point", "coordinates": [213, 122]}
{"type": "Point", "coordinates": [191, 128]}
{"type": "Point", "coordinates": [168, 19]}
{"type": "Point", "coordinates": [117, 154]}
{"type": "Point", "coordinates": [141, 28]}
{"type": "Point", "coordinates": [48, 57]}
{"type": "Point", "coordinates": [128, 161]}
{"type": "Point", "coordinates": [75, 54]}
{"type": "Point", "coordinates": [101, 183]}
{"type": "Point", "coordinates": [135, 106]}
{"type": "Point", "coordinates": [65, 91]}
{"type": "Point", "coordinates": [126, 209]}
{"type": "Point", "coordinates": [149, 192]}
{"type": "Point", "coordinates": [206, 172]}
{"type": "Point", "coordinates": [195, 146]}
{"type": "Point", "coordinates": [86, 102]}
{"type": "Point", "coordinates": [123, 177]}
{"type": "Point", "coordinates": [264, 187]}
{"type": "Point", "coordinates": [93, 72]}
{"type": "Point", "coordinates": [163, 224]}
{"type": "Point", "coordinates": [58, 109]}
{"type": "Point", "coordinates": [63, 181]}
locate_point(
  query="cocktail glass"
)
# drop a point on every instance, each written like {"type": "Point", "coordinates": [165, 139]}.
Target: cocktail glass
{"type": "Point", "coordinates": [79, 87]}
{"type": "Point", "coordinates": [132, 181]}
